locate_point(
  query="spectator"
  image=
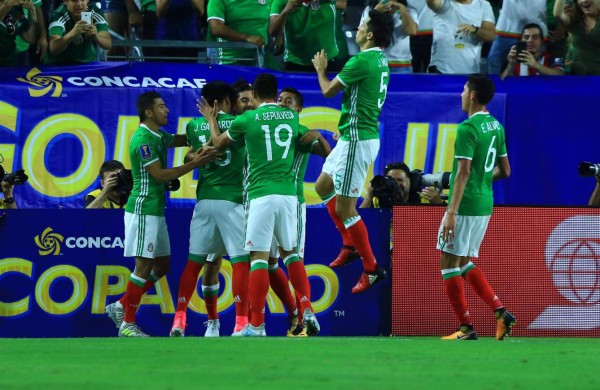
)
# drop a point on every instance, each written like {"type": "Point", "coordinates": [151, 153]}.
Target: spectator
{"type": "Point", "coordinates": [242, 21]}
{"type": "Point", "coordinates": [9, 200]}
{"type": "Point", "coordinates": [580, 19]}
{"type": "Point", "coordinates": [459, 29]}
{"type": "Point", "coordinates": [16, 19]}
{"type": "Point", "coordinates": [400, 172]}
{"type": "Point", "coordinates": [309, 27]}
{"type": "Point", "coordinates": [405, 25]}
{"type": "Point", "coordinates": [595, 198]}
{"type": "Point", "coordinates": [420, 44]}
{"type": "Point", "coordinates": [120, 16]}
{"type": "Point", "coordinates": [72, 40]}
{"type": "Point", "coordinates": [178, 20]}
{"type": "Point", "coordinates": [26, 56]}
{"type": "Point", "coordinates": [514, 15]}
{"type": "Point", "coordinates": [532, 61]}
{"type": "Point", "coordinates": [149, 23]}
{"type": "Point", "coordinates": [106, 197]}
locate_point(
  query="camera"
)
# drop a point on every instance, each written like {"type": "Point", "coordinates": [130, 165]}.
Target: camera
{"type": "Point", "coordinates": [420, 180]}
{"type": "Point", "coordinates": [173, 185]}
{"type": "Point", "coordinates": [387, 190]}
{"type": "Point", "coordinates": [589, 169]}
{"type": "Point", "coordinates": [124, 182]}
{"type": "Point", "coordinates": [521, 46]}
{"type": "Point", "coordinates": [15, 178]}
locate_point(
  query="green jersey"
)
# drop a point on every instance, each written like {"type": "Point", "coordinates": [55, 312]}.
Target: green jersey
{"type": "Point", "coordinates": [365, 79]}
{"type": "Point", "coordinates": [222, 179]}
{"type": "Point", "coordinates": [301, 162]}
{"type": "Point", "coordinates": [308, 29]}
{"type": "Point", "coordinates": [148, 194]}
{"type": "Point", "coordinates": [22, 44]}
{"type": "Point", "coordinates": [481, 140]}
{"type": "Point", "coordinates": [82, 49]}
{"type": "Point", "coordinates": [14, 24]}
{"type": "Point", "coordinates": [148, 5]}
{"type": "Point", "coordinates": [245, 16]}
{"type": "Point", "coordinates": [270, 134]}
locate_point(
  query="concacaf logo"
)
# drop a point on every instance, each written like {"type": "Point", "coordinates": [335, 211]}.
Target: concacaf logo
{"type": "Point", "coordinates": [49, 242]}
{"type": "Point", "coordinates": [42, 85]}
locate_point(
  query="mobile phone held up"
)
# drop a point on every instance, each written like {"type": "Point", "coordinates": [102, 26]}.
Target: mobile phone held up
{"type": "Point", "coordinates": [86, 17]}
{"type": "Point", "coordinates": [521, 46]}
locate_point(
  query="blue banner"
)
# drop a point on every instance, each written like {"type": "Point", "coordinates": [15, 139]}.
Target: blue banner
{"type": "Point", "coordinates": [60, 268]}
{"type": "Point", "coordinates": [61, 123]}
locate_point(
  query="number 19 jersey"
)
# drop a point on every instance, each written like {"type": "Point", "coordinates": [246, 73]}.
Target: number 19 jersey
{"type": "Point", "coordinates": [270, 134]}
{"type": "Point", "coordinates": [480, 139]}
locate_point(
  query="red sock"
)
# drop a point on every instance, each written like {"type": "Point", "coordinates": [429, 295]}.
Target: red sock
{"type": "Point", "coordinates": [259, 288]}
{"type": "Point", "coordinates": [134, 296]}
{"type": "Point", "coordinates": [477, 280]}
{"type": "Point", "coordinates": [280, 285]}
{"type": "Point", "coordinates": [211, 307]}
{"type": "Point", "coordinates": [360, 237]}
{"type": "Point", "coordinates": [241, 274]}
{"type": "Point", "coordinates": [339, 224]}
{"type": "Point", "coordinates": [187, 284]}
{"type": "Point", "coordinates": [147, 286]}
{"type": "Point", "coordinates": [300, 283]}
{"type": "Point", "coordinates": [455, 290]}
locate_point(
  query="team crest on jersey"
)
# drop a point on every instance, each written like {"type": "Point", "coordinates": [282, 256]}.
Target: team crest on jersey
{"type": "Point", "coordinates": [150, 247]}
{"type": "Point", "coordinates": [145, 152]}
{"type": "Point", "coordinates": [315, 4]}
{"type": "Point", "coordinates": [262, 2]}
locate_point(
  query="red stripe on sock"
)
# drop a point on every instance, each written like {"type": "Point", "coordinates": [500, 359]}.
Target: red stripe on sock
{"type": "Point", "coordinates": [241, 275]}
{"type": "Point", "coordinates": [187, 284]}
{"type": "Point", "coordinates": [478, 281]}
{"type": "Point", "coordinates": [259, 287]}
{"type": "Point", "coordinates": [281, 287]}
{"type": "Point", "coordinates": [211, 307]}
{"type": "Point", "coordinates": [455, 290]}
{"type": "Point", "coordinates": [339, 224]}
{"type": "Point", "coordinates": [300, 283]}
{"type": "Point", "coordinates": [134, 296]}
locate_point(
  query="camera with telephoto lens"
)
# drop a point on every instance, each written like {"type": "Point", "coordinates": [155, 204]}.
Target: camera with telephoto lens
{"type": "Point", "coordinates": [173, 185]}
{"type": "Point", "coordinates": [387, 190]}
{"type": "Point", "coordinates": [438, 180]}
{"type": "Point", "coordinates": [124, 185]}
{"type": "Point", "coordinates": [15, 178]}
{"type": "Point", "coordinates": [589, 169]}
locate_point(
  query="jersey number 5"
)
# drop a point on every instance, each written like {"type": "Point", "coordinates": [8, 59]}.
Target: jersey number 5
{"type": "Point", "coordinates": [277, 135]}
{"type": "Point", "coordinates": [382, 89]}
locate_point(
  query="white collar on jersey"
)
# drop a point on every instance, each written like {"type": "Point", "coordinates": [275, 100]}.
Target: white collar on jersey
{"type": "Point", "coordinates": [480, 113]}
{"type": "Point", "coordinates": [267, 104]}
{"type": "Point", "coordinates": [150, 130]}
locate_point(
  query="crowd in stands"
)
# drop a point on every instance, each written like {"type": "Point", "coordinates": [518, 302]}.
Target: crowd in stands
{"type": "Point", "coordinates": [430, 36]}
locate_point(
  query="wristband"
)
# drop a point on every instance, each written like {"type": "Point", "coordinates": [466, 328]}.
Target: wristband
{"type": "Point", "coordinates": [9, 200]}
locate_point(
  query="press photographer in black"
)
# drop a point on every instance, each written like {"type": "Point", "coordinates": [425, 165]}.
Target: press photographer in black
{"type": "Point", "coordinates": [591, 169]}
{"type": "Point", "coordinates": [7, 183]}
{"type": "Point", "coordinates": [116, 183]}
{"type": "Point", "coordinates": [399, 186]}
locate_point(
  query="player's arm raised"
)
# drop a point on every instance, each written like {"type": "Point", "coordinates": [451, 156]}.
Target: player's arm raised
{"type": "Point", "coordinates": [329, 87]}
{"type": "Point", "coordinates": [218, 139]}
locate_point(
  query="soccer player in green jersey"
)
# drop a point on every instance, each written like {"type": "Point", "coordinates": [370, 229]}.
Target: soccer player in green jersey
{"type": "Point", "coordinates": [480, 157]}
{"type": "Point", "coordinates": [217, 225]}
{"type": "Point", "coordinates": [72, 40]}
{"type": "Point", "coordinates": [146, 235]}
{"type": "Point", "coordinates": [270, 134]}
{"type": "Point", "coordinates": [364, 80]}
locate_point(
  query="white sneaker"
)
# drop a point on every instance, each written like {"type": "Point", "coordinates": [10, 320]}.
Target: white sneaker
{"type": "Point", "coordinates": [115, 313]}
{"type": "Point", "coordinates": [131, 330]}
{"type": "Point", "coordinates": [311, 323]}
{"type": "Point", "coordinates": [212, 328]}
{"type": "Point", "coordinates": [251, 331]}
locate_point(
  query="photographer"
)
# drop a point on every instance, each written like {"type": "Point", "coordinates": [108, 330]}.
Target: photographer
{"type": "Point", "coordinates": [595, 198]}
{"type": "Point", "coordinates": [405, 192]}
{"type": "Point", "coordinates": [9, 201]}
{"type": "Point", "coordinates": [107, 197]}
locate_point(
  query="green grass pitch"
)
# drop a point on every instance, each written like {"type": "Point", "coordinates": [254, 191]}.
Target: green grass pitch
{"type": "Point", "coordinates": [313, 363]}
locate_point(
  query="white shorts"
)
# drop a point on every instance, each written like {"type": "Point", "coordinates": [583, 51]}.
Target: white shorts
{"type": "Point", "coordinates": [217, 227]}
{"type": "Point", "coordinates": [348, 163]}
{"type": "Point", "coordinates": [146, 236]}
{"type": "Point", "coordinates": [274, 252]}
{"type": "Point", "coordinates": [467, 237]}
{"type": "Point", "coordinates": [271, 216]}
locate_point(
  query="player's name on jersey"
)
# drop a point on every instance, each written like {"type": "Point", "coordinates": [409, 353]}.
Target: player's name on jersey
{"type": "Point", "coordinates": [268, 116]}
{"type": "Point", "coordinates": [490, 126]}
{"type": "Point", "coordinates": [222, 125]}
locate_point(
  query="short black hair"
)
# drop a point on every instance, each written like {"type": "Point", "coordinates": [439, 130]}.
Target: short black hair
{"type": "Point", "coordinates": [397, 165]}
{"type": "Point", "coordinates": [265, 86]}
{"type": "Point", "coordinates": [109, 166]}
{"type": "Point", "coordinates": [216, 90]}
{"type": "Point", "coordinates": [240, 85]}
{"type": "Point", "coordinates": [297, 94]}
{"type": "Point", "coordinates": [533, 25]}
{"type": "Point", "coordinates": [146, 102]}
{"type": "Point", "coordinates": [483, 86]}
{"type": "Point", "coordinates": [381, 24]}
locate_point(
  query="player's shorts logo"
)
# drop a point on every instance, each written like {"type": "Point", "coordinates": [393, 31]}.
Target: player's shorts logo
{"type": "Point", "coordinates": [573, 257]}
{"type": "Point", "coordinates": [151, 247]}
{"type": "Point", "coordinates": [49, 242]}
{"type": "Point", "coordinates": [42, 85]}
